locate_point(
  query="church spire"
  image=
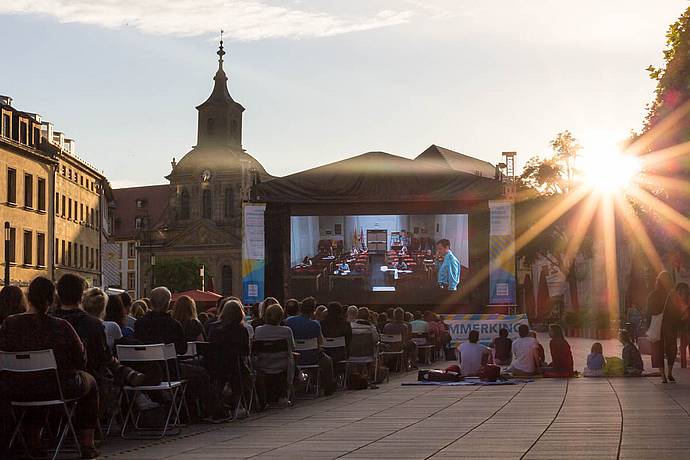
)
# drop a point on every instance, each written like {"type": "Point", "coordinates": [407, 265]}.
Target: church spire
{"type": "Point", "coordinates": [220, 116]}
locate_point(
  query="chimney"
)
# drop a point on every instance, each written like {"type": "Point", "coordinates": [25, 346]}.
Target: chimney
{"type": "Point", "coordinates": [5, 100]}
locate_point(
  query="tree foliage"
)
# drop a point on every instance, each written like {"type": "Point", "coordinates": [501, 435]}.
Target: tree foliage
{"type": "Point", "coordinates": [553, 175]}
{"type": "Point", "coordinates": [179, 274]}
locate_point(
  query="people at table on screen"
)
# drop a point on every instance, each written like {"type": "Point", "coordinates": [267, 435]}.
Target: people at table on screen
{"type": "Point", "coordinates": [306, 262]}
{"type": "Point", "coordinates": [448, 268]}
{"type": "Point", "coordinates": [401, 264]}
{"type": "Point", "coordinates": [404, 249]}
{"type": "Point", "coordinates": [344, 267]}
{"type": "Point", "coordinates": [472, 355]}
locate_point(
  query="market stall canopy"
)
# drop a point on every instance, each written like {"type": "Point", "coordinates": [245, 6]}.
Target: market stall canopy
{"type": "Point", "coordinates": [198, 296]}
{"type": "Point", "coordinates": [378, 177]}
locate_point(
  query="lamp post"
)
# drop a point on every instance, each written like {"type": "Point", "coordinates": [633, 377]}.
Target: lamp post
{"type": "Point", "coordinates": [153, 271]}
{"type": "Point", "coordinates": [201, 274]}
{"type": "Point", "coordinates": [7, 253]}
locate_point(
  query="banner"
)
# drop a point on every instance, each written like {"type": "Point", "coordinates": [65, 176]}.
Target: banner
{"type": "Point", "coordinates": [487, 325]}
{"type": "Point", "coordinates": [253, 252]}
{"type": "Point", "coordinates": [501, 238]}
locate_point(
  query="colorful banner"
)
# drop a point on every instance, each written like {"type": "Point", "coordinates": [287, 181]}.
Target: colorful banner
{"type": "Point", "coordinates": [501, 253]}
{"type": "Point", "coordinates": [487, 325]}
{"type": "Point", "coordinates": [253, 252]}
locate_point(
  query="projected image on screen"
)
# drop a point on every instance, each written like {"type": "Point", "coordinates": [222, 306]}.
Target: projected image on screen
{"type": "Point", "coordinates": [383, 253]}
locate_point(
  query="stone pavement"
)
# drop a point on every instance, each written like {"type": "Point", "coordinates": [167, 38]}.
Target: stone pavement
{"type": "Point", "coordinates": [546, 419]}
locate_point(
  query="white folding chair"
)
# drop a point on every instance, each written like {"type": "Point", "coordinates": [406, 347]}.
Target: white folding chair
{"type": "Point", "coordinates": [33, 362]}
{"type": "Point", "coordinates": [331, 346]}
{"type": "Point", "coordinates": [363, 351]}
{"type": "Point", "coordinates": [422, 342]}
{"type": "Point", "coordinates": [306, 346]}
{"type": "Point", "coordinates": [394, 343]}
{"type": "Point", "coordinates": [175, 388]}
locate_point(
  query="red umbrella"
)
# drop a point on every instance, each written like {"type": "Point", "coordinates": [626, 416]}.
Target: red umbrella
{"type": "Point", "coordinates": [543, 297]}
{"type": "Point", "coordinates": [528, 290]}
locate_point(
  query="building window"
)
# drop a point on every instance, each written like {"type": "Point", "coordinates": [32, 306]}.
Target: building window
{"type": "Point", "coordinates": [57, 204]}
{"type": "Point", "coordinates": [141, 204]}
{"type": "Point", "coordinates": [139, 222]}
{"type": "Point", "coordinates": [92, 263]}
{"type": "Point", "coordinates": [64, 202]}
{"type": "Point", "coordinates": [81, 212]}
{"type": "Point", "coordinates": [69, 253]}
{"type": "Point", "coordinates": [28, 247]}
{"type": "Point", "coordinates": [23, 132]}
{"type": "Point", "coordinates": [131, 281]}
{"type": "Point", "coordinates": [131, 250]}
{"type": "Point", "coordinates": [62, 252]}
{"type": "Point", "coordinates": [98, 219]}
{"type": "Point", "coordinates": [69, 208]}
{"type": "Point", "coordinates": [12, 185]}
{"type": "Point", "coordinates": [37, 137]}
{"type": "Point", "coordinates": [41, 249]}
{"type": "Point", "coordinates": [98, 261]}
{"type": "Point", "coordinates": [226, 280]}
{"type": "Point", "coordinates": [6, 125]}
{"type": "Point", "coordinates": [206, 204]}
{"type": "Point", "coordinates": [81, 180]}
{"type": "Point", "coordinates": [184, 204]}
{"type": "Point", "coordinates": [28, 191]}
{"type": "Point", "coordinates": [81, 256]}
{"type": "Point", "coordinates": [13, 245]}
{"type": "Point", "coordinates": [41, 191]}
{"type": "Point", "coordinates": [229, 202]}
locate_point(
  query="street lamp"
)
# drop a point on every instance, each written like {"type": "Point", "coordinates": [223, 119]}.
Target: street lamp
{"type": "Point", "coordinates": [8, 235]}
{"type": "Point", "coordinates": [153, 270]}
{"type": "Point", "coordinates": [201, 274]}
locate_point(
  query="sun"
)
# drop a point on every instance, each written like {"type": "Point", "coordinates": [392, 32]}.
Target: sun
{"type": "Point", "coordinates": [608, 170]}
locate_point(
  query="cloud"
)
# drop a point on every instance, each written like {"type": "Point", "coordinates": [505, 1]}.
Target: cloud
{"type": "Point", "coordinates": [241, 19]}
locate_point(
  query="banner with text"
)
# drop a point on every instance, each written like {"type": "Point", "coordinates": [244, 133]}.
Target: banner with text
{"type": "Point", "coordinates": [486, 324]}
{"type": "Point", "coordinates": [501, 253]}
{"type": "Point", "coordinates": [253, 252]}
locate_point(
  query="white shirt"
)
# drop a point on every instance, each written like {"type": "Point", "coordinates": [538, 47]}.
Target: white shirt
{"type": "Point", "coordinates": [112, 333]}
{"type": "Point", "coordinates": [523, 350]}
{"type": "Point", "coordinates": [471, 357]}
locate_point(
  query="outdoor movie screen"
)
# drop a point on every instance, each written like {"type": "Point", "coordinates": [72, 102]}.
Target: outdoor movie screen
{"type": "Point", "coordinates": [367, 253]}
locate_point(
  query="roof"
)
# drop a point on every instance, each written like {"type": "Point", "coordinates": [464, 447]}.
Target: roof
{"type": "Point", "coordinates": [457, 161]}
{"type": "Point", "coordinates": [198, 296]}
{"type": "Point", "coordinates": [378, 177]}
{"type": "Point", "coordinates": [155, 197]}
{"type": "Point", "coordinates": [215, 158]}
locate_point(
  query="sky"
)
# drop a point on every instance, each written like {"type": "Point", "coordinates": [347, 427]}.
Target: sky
{"type": "Point", "coordinates": [325, 80]}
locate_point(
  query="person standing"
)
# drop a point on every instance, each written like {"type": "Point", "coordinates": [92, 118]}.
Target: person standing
{"type": "Point", "coordinates": [448, 268]}
{"type": "Point", "coordinates": [663, 301]}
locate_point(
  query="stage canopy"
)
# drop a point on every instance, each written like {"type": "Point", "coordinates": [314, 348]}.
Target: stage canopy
{"type": "Point", "coordinates": [381, 177]}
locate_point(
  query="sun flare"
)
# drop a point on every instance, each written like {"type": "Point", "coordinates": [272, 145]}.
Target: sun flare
{"type": "Point", "coordinates": [609, 171]}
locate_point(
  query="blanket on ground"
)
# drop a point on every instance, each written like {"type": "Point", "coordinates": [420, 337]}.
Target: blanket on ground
{"type": "Point", "coordinates": [468, 382]}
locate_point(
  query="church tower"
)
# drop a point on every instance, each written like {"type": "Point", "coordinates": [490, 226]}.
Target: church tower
{"type": "Point", "coordinates": [220, 116]}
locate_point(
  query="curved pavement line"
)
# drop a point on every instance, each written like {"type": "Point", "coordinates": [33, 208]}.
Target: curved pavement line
{"type": "Point", "coordinates": [620, 408]}
{"type": "Point", "coordinates": [565, 395]}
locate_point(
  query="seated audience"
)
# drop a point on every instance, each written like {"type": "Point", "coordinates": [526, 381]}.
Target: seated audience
{"type": "Point", "coordinates": [184, 311]}
{"type": "Point", "coordinates": [472, 355]}
{"type": "Point", "coordinates": [632, 361]}
{"type": "Point", "coordinates": [257, 313]}
{"type": "Point", "coordinates": [139, 309]}
{"type": "Point", "coordinates": [525, 353]}
{"type": "Point", "coordinates": [541, 354]}
{"type": "Point", "coordinates": [273, 375]}
{"type": "Point", "coordinates": [362, 323]}
{"type": "Point", "coordinates": [127, 304]}
{"type": "Point", "coordinates": [335, 325]}
{"type": "Point", "coordinates": [381, 322]}
{"type": "Point", "coordinates": [305, 328]}
{"type": "Point", "coordinates": [419, 326]}
{"type": "Point", "coordinates": [503, 348]}
{"type": "Point", "coordinates": [352, 313]}
{"type": "Point", "coordinates": [399, 327]}
{"type": "Point", "coordinates": [232, 341]}
{"type": "Point", "coordinates": [12, 302]}
{"type": "Point", "coordinates": [595, 361]}
{"type": "Point", "coordinates": [93, 303]}
{"type": "Point", "coordinates": [291, 308]}
{"type": "Point", "coordinates": [116, 312]}
{"type": "Point", "coordinates": [157, 326]}
{"type": "Point", "coordinates": [320, 313]}
{"type": "Point", "coordinates": [36, 330]}
{"type": "Point", "coordinates": [562, 358]}
{"type": "Point", "coordinates": [400, 264]}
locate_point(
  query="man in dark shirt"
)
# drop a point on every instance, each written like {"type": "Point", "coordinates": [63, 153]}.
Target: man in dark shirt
{"type": "Point", "coordinates": [157, 326]}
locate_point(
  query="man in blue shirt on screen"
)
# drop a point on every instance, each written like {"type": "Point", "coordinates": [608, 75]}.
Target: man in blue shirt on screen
{"type": "Point", "coordinates": [449, 267]}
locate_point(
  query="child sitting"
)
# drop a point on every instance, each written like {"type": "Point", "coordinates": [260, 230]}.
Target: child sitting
{"type": "Point", "coordinates": [595, 362]}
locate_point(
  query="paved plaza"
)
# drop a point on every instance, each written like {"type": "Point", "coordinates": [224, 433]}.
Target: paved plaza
{"type": "Point", "coordinates": [546, 419]}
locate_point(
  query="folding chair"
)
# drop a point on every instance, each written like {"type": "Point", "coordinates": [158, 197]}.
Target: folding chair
{"type": "Point", "coordinates": [264, 352]}
{"type": "Point", "coordinates": [422, 342]}
{"type": "Point", "coordinates": [175, 388]}
{"type": "Point", "coordinates": [216, 364]}
{"type": "Point", "coordinates": [305, 346]}
{"type": "Point", "coordinates": [34, 362]}
{"type": "Point", "coordinates": [394, 343]}
{"type": "Point", "coordinates": [363, 351]}
{"type": "Point", "coordinates": [336, 348]}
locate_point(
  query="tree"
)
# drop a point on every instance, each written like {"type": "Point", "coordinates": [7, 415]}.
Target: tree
{"type": "Point", "coordinates": [554, 175]}
{"type": "Point", "coordinates": [565, 148]}
{"type": "Point", "coordinates": [179, 274]}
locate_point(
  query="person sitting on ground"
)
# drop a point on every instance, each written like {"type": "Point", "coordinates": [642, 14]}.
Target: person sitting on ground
{"type": "Point", "coordinates": [352, 311]}
{"type": "Point", "coordinates": [503, 350]}
{"type": "Point", "coordinates": [184, 311]}
{"type": "Point", "coordinates": [561, 356]}
{"type": "Point", "coordinates": [399, 327]}
{"type": "Point", "coordinates": [320, 313]}
{"type": "Point", "coordinates": [541, 355]}
{"type": "Point", "coordinates": [525, 353]}
{"type": "Point", "coordinates": [335, 325]}
{"type": "Point", "coordinates": [632, 360]}
{"type": "Point", "coordinates": [36, 330]}
{"type": "Point", "coordinates": [232, 341]}
{"type": "Point", "coordinates": [116, 312]}
{"type": "Point", "coordinates": [595, 361]}
{"type": "Point", "coordinates": [157, 326]}
{"type": "Point", "coordinates": [472, 355]}
{"type": "Point", "coordinates": [139, 309]}
{"type": "Point", "coordinates": [305, 328]}
{"type": "Point", "coordinates": [274, 374]}
{"type": "Point", "coordinates": [12, 302]}
{"type": "Point", "coordinates": [291, 308]}
{"type": "Point", "coordinates": [127, 304]}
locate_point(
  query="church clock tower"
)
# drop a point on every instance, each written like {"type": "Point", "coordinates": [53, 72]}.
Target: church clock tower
{"type": "Point", "coordinates": [220, 116]}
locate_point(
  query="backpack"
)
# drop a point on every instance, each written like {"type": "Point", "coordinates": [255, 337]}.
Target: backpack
{"type": "Point", "coordinates": [489, 373]}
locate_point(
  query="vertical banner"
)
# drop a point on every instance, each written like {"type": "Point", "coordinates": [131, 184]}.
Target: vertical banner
{"type": "Point", "coordinates": [253, 252]}
{"type": "Point", "coordinates": [501, 253]}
